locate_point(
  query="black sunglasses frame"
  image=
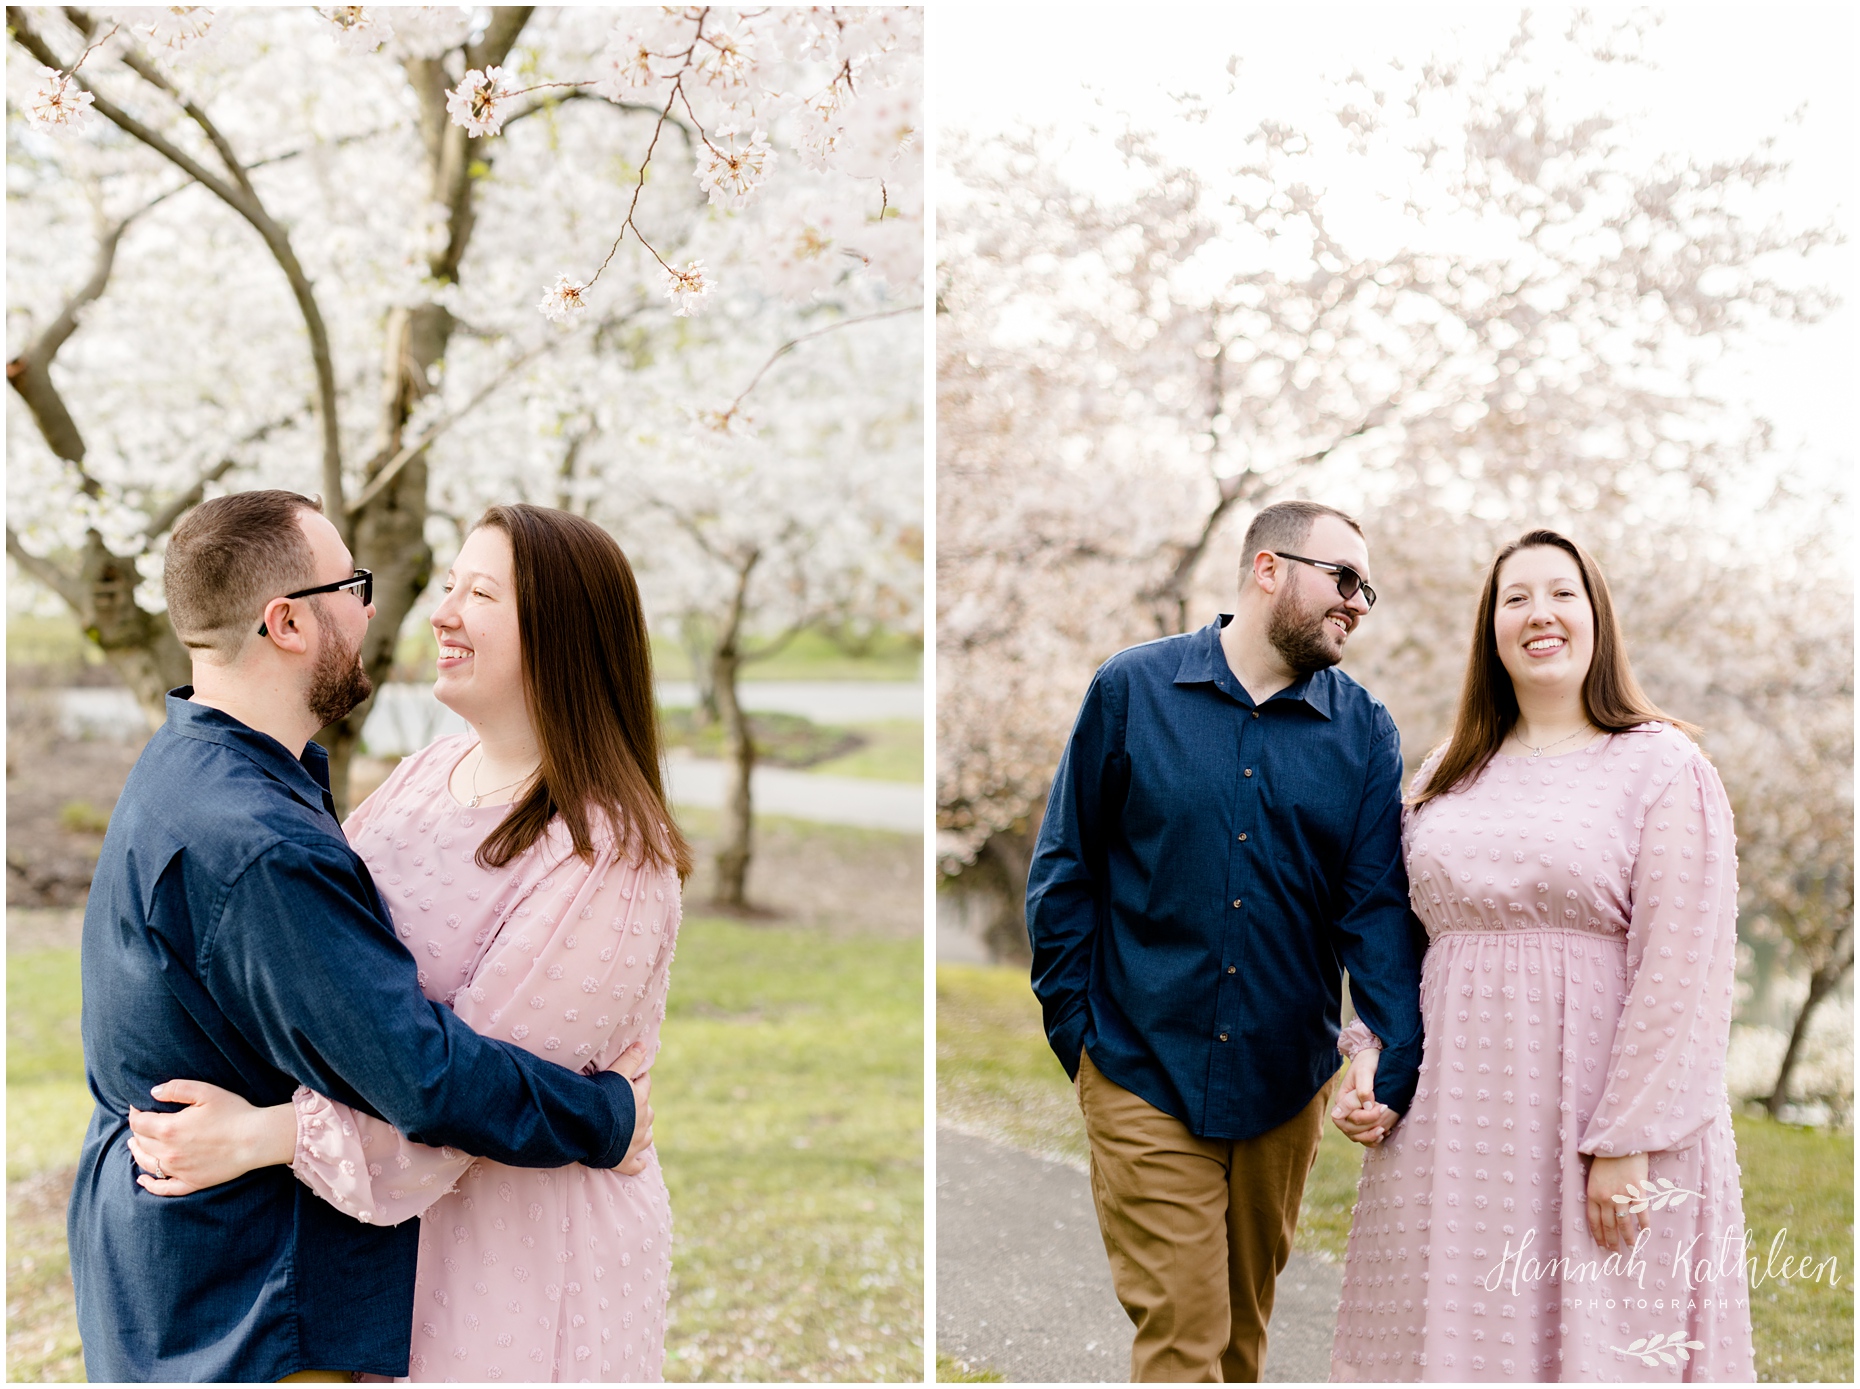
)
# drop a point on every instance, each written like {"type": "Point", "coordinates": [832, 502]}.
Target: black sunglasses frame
{"type": "Point", "coordinates": [364, 577]}
{"type": "Point", "coordinates": [1344, 575]}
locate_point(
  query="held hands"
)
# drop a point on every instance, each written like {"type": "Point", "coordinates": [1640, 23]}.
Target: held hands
{"type": "Point", "coordinates": [216, 1138]}
{"type": "Point", "coordinates": [1358, 1114]}
{"type": "Point", "coordinates": [635, 1065]}
{"type": "Point", "coordinates": [1611, 1223]}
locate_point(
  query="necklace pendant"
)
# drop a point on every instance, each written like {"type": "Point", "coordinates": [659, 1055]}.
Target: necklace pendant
{"type": "Point", "coordinates": [472, 804]}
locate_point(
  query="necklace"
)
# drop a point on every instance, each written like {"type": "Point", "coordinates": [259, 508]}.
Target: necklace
{"type": "Point", "coordinates": [1536, 752]}
{"type": "Point", "coordinates": [476, 794]}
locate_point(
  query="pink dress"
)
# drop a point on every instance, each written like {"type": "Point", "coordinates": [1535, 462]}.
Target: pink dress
{"type": "Point", "coordinates": [1577, 998]}
{"type": "Point", "coordinates": [523, 1274]}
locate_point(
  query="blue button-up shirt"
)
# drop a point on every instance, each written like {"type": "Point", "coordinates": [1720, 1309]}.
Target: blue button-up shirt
{"type": "Point", "coordinates": [1206, 869]}
{"type": "Point", "coordinates": [233, 937]}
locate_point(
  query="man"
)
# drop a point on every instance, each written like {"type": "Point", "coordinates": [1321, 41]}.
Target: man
{"type": "Point", "coordinates": [1222, 838]}
{"type": "Point", "coordinates": [232, 936]}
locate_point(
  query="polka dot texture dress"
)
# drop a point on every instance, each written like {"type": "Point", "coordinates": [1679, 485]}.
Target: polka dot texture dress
{"type": "Point", "coordinates": [1577, 999]}
{"type": "Point", "coordinates": [523, 1274]}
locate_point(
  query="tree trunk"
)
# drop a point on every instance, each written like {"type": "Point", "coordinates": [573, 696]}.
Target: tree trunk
{"type": "Point", "coordinates": [694, 636]}
{"type": "Point", "coordinates": [733, 844]}
{"type": "Point", "coordinates": [1002, 864]}
{"type": "Point", "coordinates": [1820, 984]}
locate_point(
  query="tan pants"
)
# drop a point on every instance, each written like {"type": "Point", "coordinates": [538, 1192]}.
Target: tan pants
{"type": "Point", "coordinates": [1197, 1229]}
{"type": "Point", "coordinates": [318, 1377]}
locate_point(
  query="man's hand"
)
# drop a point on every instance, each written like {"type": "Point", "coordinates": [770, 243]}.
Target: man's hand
{"type": "Point", "coordinates": [1611, 1224]}
{"type": "Point", "coordinates": [1359, 1116]}
{"type": "Point", "coordinates": [216, 1138]}
{"type": "Point", "coordinates": [634, 1064]}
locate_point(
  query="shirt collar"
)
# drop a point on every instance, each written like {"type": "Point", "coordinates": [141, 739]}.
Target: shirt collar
{"type": "Point", "coordinates": [307, 777]}
{"type": "Point", "coordinates": [1204, 663]}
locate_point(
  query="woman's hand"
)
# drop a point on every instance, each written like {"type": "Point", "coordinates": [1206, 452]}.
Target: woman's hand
{"type": "Point", "coordinates": [634, 1064]}
{"type": "Point", "coordinates": [1611, 1223]}
{"type": "Point", "coordinates": [216, 1138]}
{"type": "Point", "coordinates": [1358, 1114]}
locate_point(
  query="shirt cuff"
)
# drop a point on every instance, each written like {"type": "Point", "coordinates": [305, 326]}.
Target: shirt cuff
{"type": "Point", "coordinates": [1356, 1037]}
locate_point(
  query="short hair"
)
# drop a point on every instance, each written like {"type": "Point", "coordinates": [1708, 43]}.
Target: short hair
{"type": "Point", "coordinates": [227, 559]}
{"type": "Point", "coordinates": [1283, 525]}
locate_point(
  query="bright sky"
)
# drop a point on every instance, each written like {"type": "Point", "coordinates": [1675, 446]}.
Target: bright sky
{"type": "Point", "coordinates": [1725, 76]}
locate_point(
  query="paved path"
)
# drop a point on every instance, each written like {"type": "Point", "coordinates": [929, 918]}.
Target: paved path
{"type": "Point", "coordinates": [406, 717]}
{"type": "Point", "coordinates": [832, 800]}
{"type": "Point", "coordinates": [1022, 1285]}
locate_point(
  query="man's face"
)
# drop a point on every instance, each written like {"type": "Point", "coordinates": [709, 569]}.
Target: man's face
{"type": "Point", "coordinates": [338, 683]}
{"type": "Point", "coordinates": [1310, 620]}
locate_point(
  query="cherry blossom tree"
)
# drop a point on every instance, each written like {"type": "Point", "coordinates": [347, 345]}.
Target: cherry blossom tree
{"type": "Point", "coordinates": [805, 515]}
{"type": "Point", "coordinates": [1518, 333]}
{"type": "Point", "coordinates": [302, 247]}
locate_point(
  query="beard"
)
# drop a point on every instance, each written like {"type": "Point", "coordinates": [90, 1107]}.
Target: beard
{"type": "Point", "coordinates": [1301, 638]}
{"type": "Point", "coordinates": [338, 684]}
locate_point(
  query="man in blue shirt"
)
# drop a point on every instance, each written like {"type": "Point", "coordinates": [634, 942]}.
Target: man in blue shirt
{"type": "Point", "coordinates": [232, 936]}
{"type": "Point", "coordinates": [1222, 840]}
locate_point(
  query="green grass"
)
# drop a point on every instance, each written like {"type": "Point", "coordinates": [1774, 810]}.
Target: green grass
{"type": "Point", "coordinates": [810, 656]}
{"type": "Point", "coordinates": [48, 641]}
{"type": "Point", "coordinates": [1798, 1183]}
{"type": "Point", "coordinates": [950, 1370]}
{"type": "Point", "coordinates": [790, 1123]}
{"type": "Point", "coordinates": [996, 1073]}
{"type": "Point", "coordinates": [789, 1118]}
{"type": "Point", "coordinates": [892, 752]}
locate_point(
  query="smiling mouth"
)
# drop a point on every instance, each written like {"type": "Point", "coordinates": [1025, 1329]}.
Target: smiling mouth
{"type": "Point", "coordinates": [1543, 646]}
{"type": "Point", "coordinates": [452, 655]}
{"type": "Point", "coordinates": [1342, 624]}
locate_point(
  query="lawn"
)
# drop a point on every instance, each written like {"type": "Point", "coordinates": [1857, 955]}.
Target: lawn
{"type": "Point", "coordinates": [789, 1103]}
{"type": "Point", "coordinates": [996, 1075]}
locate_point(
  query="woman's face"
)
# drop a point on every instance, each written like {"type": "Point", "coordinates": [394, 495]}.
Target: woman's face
{"type": "Point", "coordinates": [480, 648]}
{"type": "Point", "coordinates": [1543, 621]}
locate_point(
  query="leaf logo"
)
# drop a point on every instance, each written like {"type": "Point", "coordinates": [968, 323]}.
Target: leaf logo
{"type": "Point", "coordinates": [1655, 1196]}
{"type": "Point", "coordinates": [1663, 1349]}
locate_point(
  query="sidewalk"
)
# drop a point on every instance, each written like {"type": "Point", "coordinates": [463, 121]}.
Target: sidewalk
{"type": "Point", "coordinates": [1023, 1287]}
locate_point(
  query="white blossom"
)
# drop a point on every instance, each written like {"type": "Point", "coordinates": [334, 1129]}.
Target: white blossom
{"type": "Point", "coordinates": [59, 103]}
{"type": "Point", "coordinates": [687, 288]}
{"type": "Point", "coordinates": [474, 103]}
{"type": "Point", "coordinates": [724, 58]}
{"type": "Point", "coordinates": [426, 31]}
{"type": "Point", "coordinates": [563, 303]}
{"type": "Point", "coordinates": [731, 172]}
{"type": "Point", "coordinates": [359, 28]}
{"type": "Point", "coordinates": [176, 28]}
{"type": "Point", "coordinates": [627, 66]}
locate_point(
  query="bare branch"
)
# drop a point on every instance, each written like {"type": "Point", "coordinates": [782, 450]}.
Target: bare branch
{"type": "Point", "coordinates": [722, 421]}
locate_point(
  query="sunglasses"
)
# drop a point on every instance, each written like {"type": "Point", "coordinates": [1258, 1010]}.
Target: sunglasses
{"type": "Point", "coordinates": [362, 582]}
{"type": "Point", "coordinates": [1348, 580]}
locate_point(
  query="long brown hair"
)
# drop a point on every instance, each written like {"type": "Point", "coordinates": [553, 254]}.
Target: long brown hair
{"type": "Point", "coordinates": [587, 670]}
{"type": "Point", "coordinates": [1611, 696]}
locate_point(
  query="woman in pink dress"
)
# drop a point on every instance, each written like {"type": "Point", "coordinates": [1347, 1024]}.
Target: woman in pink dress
{"type": "Point", "coordinates": [1562, 1200]}
{"type": "Point", "coordinates": [533, 870]}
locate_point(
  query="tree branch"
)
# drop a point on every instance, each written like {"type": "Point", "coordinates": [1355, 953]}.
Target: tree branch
{"type": "Point", "coordinates": [160, 522]}
{"type": "Point", "coordinates": [46, 572]}
{"type": "Point", "coordinates": [722, 421]}
{"type": "Point", "coordinates": [245, 202]}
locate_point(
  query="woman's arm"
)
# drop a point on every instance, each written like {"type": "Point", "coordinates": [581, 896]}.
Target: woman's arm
{"type": "Point", "coordinates": [1665, 1078]}
{"type": "Point", "coordinates": [359, 1164]}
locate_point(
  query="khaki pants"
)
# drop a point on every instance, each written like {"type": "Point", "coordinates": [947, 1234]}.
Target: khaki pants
{"type": "Point", "coordinates": [1197, 1229]}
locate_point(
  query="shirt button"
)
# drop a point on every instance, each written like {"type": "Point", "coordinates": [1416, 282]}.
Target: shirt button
{"type": "Point", "coordinates": [1223, 1036]}
{"type": "Point", "coordinates": [1236, 904]}
{"type": "Point", "coordinates": [1249, 771]}
{"type": "Point", "coordinates": [1230, 969]}
{"type": "Point", "coordinates": [1243, 839]}
{"type": "Point", "coordinates": [1256, 713]}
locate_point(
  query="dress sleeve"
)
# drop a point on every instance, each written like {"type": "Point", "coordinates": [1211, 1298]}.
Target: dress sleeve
{"type": "Point", "coordinates": [366, 1168]}
{"type": "Point", "coordinates": [1666, 1069]}
{"type": "Point", "coordinates": [571, 982]}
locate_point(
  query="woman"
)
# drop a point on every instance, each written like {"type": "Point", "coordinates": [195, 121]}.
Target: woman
{"type": "Point", "coordinates": [1562, 1200]}
{"type": "Point", "coordinates": [533, 870]}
